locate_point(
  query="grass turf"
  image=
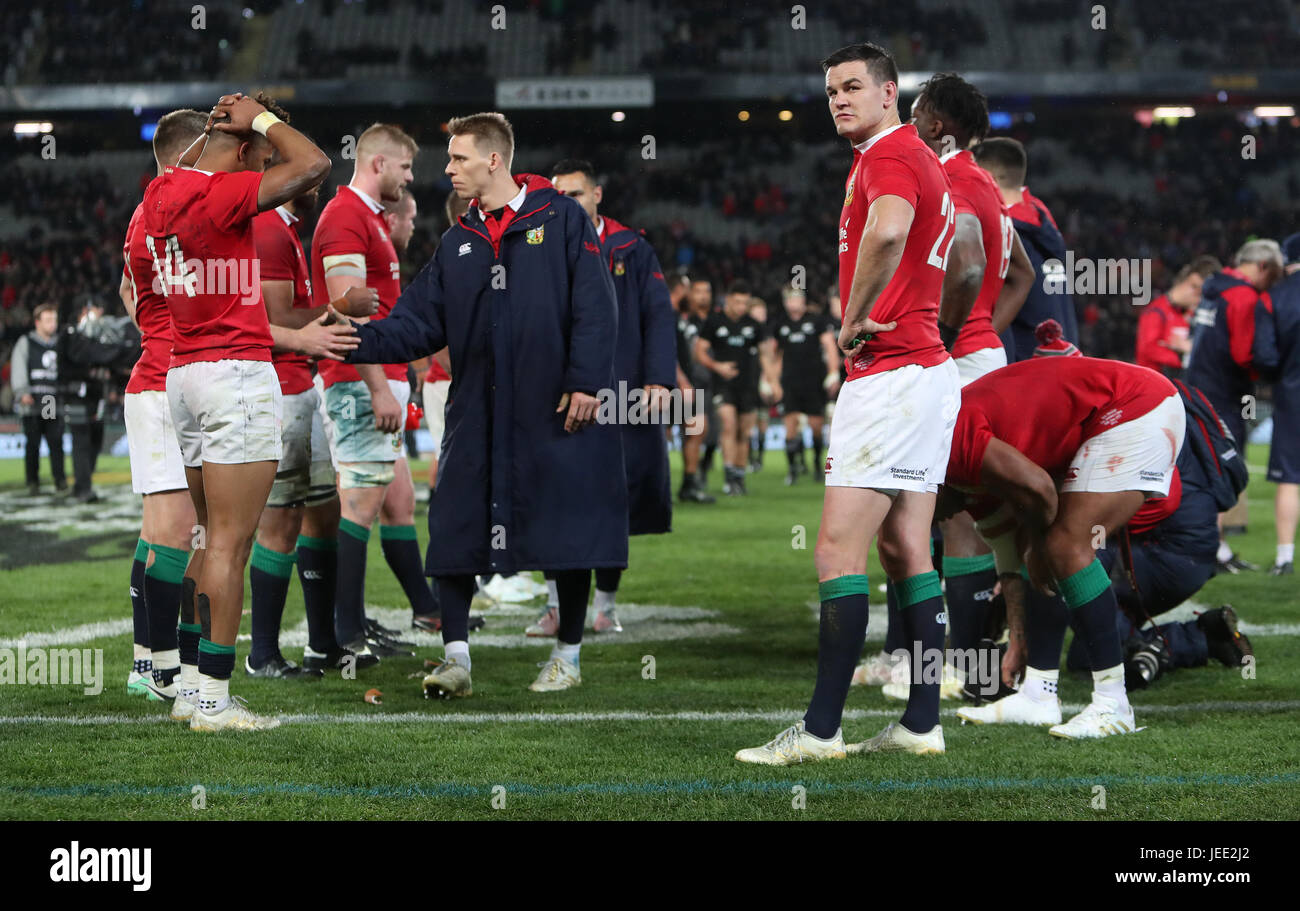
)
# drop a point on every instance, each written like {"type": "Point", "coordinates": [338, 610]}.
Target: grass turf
{"type": "Point", "coordinates": [1217, 747]}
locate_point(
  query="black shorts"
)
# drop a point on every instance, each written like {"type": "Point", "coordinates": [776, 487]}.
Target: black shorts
{"type": "Point", "coordinates": [803, 394]}
{"type": "Point", "coordinates": [1283, 453]}
{"type": "Point", "coordinates": [742, 392]}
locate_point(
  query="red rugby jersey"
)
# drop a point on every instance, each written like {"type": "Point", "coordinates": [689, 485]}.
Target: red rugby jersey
{"type": "Point", "coordinates": [351, 227]}
{"type": "Point", "coordinates": [975, 193]}
{"type": "Point", "coordinates": [1046, 408]}
{"type": "Point", "coordinates": [1159, 322]}
{"type": "Point", "coordinates": [150, 372]}
{"type": "Point", "coordinates": [897, 163]}
{"type": "Point", "coordinates": [198, 229]}
{"type": "Point", "coordinates": [280, 251]}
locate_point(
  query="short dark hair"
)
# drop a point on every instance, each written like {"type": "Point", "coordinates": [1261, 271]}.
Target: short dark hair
{"type": "Point", "coordinates": [678, 276]}
{"type": "Point", "coordinates": [1203, 265]}
{"type": "Point", "coordinates": [1004, 158]}
{"type": "Point", "coordinates": [879, 63]}
{"type": "Point", "coordinates": [958, 103]}
{"type": "Point", "coordinates": [739, 286]}
{"type": "Point", "coordinates": [175, 131]}
{"type": "Point", "coordinates": [575, 166]}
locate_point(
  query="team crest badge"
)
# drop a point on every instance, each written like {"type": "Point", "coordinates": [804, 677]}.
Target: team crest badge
{"type": "Point", "coordinates": [536, 235]}
{"type": "Point", "coordinates": [848, 188]}
{"type": "Point", "coordinates": [619, 268]}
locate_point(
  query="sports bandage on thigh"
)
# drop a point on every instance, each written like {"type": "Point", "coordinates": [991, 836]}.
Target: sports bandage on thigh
{"type": "Point", "coordinates": [998, 531]}
{"type": "Point", "coordinates": [365, 474]}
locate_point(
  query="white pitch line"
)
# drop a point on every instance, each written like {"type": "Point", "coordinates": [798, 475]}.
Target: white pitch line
{"type": "Point", "coordinates": [105, 629]}
{"type": "Point", "coordinates": [776, 716]}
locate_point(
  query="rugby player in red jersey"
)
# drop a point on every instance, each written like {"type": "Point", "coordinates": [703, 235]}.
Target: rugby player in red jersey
{"type": "Point", "coordinates": [894, 415]}
{"type": "Point", "coordinates": [221, 387]}
{"type": "Point", "coordinates": [1051, 452]}
{"type": "Point", "coordinates": [989, 266]}
{"type": "Point", "coordinates": [366, 404]}
{"type": "Point", "coordinates": [157, 471]}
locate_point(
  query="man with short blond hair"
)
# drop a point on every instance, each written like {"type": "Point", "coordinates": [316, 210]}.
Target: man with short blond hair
{"type": "Point", "coordinates": [367, 404]}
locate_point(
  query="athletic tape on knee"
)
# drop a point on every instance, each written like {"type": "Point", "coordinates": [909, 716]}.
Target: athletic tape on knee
{"type": "Point", "coordinates": [365, 474]}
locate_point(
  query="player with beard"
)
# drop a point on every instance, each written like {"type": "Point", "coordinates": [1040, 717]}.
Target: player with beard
{"type": "Point", "coordinates": [894, 418]}
{"type": "Point", "coordinates": [807, 362]}
{"type": "Point", "coordinates": [197, 228]}
{"type": "Point", "coordinates": [366, 404]}
{"type": "Point", "coordinates": [728, 347]}
{"type": "Point", "coordinates": [301, 520]}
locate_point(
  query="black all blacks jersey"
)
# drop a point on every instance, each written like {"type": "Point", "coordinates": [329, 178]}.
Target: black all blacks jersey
{"type": "Point", "coordinates": [734, 341]}
{"type": "Point", "coordinates": [800, 341]}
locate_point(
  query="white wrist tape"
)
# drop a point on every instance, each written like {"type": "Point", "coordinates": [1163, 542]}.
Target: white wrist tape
{"type": "Point", "coordinates": [998, 531]}
{"type": "Point", "coordinates": [264, 121]}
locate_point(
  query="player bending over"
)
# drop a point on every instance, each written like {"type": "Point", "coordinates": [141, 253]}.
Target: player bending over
{"type": "Point", "coordinates": [1055, 454]}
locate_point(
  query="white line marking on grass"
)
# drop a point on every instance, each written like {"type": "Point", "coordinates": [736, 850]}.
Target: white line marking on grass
{"type": "Point", "coordinates": [773, 716]}
{"type": "Point", "coordinates": [73, 635]}
{"type": "Point", "coordinates": [641, 623]}
{"type": "Point", "coordinates": [1189, 609]}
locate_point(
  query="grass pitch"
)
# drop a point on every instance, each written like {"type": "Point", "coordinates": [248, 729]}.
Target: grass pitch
{"type": "Point", "coordinates": [722, 611]}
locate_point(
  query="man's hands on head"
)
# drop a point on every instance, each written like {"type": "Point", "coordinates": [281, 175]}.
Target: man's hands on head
{"type": "Point", "coordinates": [234, 114]}
{"type": "Point", "coordinates": [581, 410]}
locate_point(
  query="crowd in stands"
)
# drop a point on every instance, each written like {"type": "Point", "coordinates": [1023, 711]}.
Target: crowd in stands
{"type": "Point", "coordinates": [156, 40]}
{"type": "Point", "coordinates": [757, 209]}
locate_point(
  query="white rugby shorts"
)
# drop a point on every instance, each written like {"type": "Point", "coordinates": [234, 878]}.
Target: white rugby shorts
{"type": "Point", "coordinates": [893, 430]}
{"type": "Point", "coordinates": [226, 412]}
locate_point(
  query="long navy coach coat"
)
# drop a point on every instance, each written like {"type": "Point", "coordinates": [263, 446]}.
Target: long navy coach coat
{"type": "Point", "coordinates": [646, 355]}
{"type": "Point", "coordinates": [525, 321]}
